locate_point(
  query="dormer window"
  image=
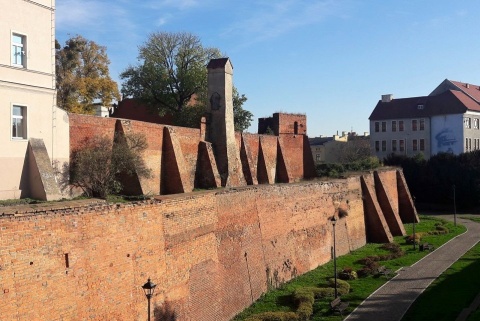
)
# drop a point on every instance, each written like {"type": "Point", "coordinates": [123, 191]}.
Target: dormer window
{"type": "Point", "coordinates": [420, 106]}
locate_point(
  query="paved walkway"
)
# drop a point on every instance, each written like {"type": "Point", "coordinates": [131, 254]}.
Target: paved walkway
{"type": "Point", "coordinates": [391, 301]}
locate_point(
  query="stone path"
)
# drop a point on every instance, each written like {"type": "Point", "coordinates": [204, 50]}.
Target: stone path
{"type": "Point", "coordinates": [391, 301]}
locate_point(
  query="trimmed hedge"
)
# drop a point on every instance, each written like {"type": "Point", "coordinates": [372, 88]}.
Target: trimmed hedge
{"type": "Point", "coordinates": [274, 316]}
{"type": "Point", "coordinates": [304, 298]}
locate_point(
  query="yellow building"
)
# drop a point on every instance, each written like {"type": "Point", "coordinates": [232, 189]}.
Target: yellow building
{"type": "Point", "coordinates": [336, 148]}
{"type": "Point", "coordinates": [33, 131]}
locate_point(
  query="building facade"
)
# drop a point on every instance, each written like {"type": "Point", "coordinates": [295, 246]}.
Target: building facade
{"type": "Point", "coordinates": [27, 96]}
{"type": "Point", "coordinates": [334, 149]}
{"type": "Point", "coordinates": [447, 120]}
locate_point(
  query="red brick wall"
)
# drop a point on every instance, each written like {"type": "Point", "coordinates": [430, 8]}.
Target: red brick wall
{"type": "Point", "coordinates": [267, 159]}
{"type": "Point", "coordinates": [211, 253]}
{"type": "Point", "coordinates": [189, 139]}
{"type": "Point", "coordinates": [286, 123]}
{"type": "Point", "coordinates": [86, 127]}
{"type": "Point", "coordinates": [154, 136]}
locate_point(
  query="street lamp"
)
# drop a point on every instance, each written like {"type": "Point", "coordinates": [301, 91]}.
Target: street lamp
{"type": "Point", "coordinates": [148, 288]}
{"type": "Point", "coordinates": [414, 236]}
{"type": "Point", "coordinates": [454, 208]}
{"type": "Point", "coordinates": [334, 221]}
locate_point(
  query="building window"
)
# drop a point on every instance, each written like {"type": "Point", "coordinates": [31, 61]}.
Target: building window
{"type": "Point", "coordinates": [394, 145]}
{"type": "Point", "coordinates": [402, 145]}
{"type": "Point", "coordinates": [318, 157]}
{"type": "Point", "coordinates": [394, 125]}
{"type": "Point", "coordinates": [467, 122]}
{"type": "Point", "coordinates": [422, 124]}
{"type": "Point", "coordinates": [377, 146]}
{"type": "Point", "coordinates": [422, 144]}
{"type": "Point", "coordinates": [384, 126]}
{"type": "Point", "coordinates": [400, 125]}
{"type": "Point", "coordinates": [414, 124]}
{"type": "Point", "coordinates": [415, 145]}
{"type": "Point", "coordinates": [475, 123]}
{"type": "Point", "coordinates": [377, 126]}
{"type": "Point", "coordinates": [384, 145]}
{"type": "Point", "coordinates": [19, 122]}
{"type": "Point", "coordinates": [18, 50]}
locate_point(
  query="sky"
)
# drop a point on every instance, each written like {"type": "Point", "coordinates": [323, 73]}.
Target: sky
{"type": "Point", "coordinates": [329, 59]}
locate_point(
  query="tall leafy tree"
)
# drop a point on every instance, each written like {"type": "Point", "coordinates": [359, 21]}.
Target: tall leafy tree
{"type": "Point", "coordinates": [242, 118]}
{"type": "Point", "coordinates": [171, 77]}
{"type": "Point", "coordinates": [82, 76]}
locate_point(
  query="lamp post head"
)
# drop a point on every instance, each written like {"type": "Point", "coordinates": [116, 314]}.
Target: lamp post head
{"type": "Point", "coordinates": [334, 220]}
{"type": "Point", "coordinates": [149, 288]}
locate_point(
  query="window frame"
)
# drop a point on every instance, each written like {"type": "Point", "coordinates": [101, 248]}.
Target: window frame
{"type": "Point", "coordinates": [394, 125]}
{"type": "Point", "coordinates": [422, 124]}
{"type": "Point", "coordinates": [377, 145]}
{"type": "Point", "coordinates": [401, 126]}
{"type": "Point", "coordinates": [384, 145]}
{"type": "Point", "coordinates": [401, 145]}
{"type": "Point", "coordinates": [414, 125]}
{"type": "Point", "coordinates": [22, 45]}
{"type": "Point", "coordinates": [415, 145]}
{"type": "Point", "coordinates": [467, 122]}
{"type": "Point", "coordinates": [384, 126]}
{"type": "Point", "coordinates": [24, 119]}
{"type": "Point", "coordinates": [422, 144]}
{"type": "Point", "coordinates": [394, 145]}
{"type": "Point", "coordinates": [377, 126]}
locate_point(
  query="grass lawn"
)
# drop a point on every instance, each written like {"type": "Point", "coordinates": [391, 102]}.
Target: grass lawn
{"type": "Point", "coordinates": [280, 299]}
{"type": "Point", "coordinates": [454, 290]}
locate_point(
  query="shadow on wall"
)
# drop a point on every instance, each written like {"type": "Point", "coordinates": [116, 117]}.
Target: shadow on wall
{"type": "Point", "coordinates": [164, 313]}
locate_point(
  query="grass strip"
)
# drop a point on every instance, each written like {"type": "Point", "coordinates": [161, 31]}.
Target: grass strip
{"type": "Point", "coordinates": [452, 291]}
{"type": "Point", "coordinates": [281, 299]}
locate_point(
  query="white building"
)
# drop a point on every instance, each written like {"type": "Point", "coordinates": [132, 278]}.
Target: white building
{"type": "Point", "coordinates": [33, 131]}
{"type": "Point", "coordinates": [447, 120]}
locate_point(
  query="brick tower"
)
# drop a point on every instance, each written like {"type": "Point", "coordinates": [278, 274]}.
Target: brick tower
{"type": "Point", "coordinates": [220, 126]}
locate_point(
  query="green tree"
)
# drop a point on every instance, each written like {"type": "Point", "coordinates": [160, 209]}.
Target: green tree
{"type": "Point", "coordinates": [242, 118]}
{"type": "Point", "coordinates": [171, 77]}
{"type": "Point", "coordinates": [82, 76]}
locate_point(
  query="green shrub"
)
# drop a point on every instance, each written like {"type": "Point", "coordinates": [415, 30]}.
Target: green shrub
{"type": "Point", "coordinates": [304, 311]}
{"type": "Point", "coordinates": [321, 293]}
{"type": "Point", "coordinates": [365, 271]}
{"type": "Point", "coordinates": [392, 247]}
{"type": "Point", "coordinates": [418, 238]}
{"type": "Point", "coordinates": [305, 294]}
{"type": "Point", "coordinates": [330, 170]}
{"type": "Point", "coordinates": [343, 287]}
{"type": "Point", "coordinates": [347, 274]}
{"type": "Point", "coordinates": [442, 229]}
{"type": "Point", "coordinates": [274, 316]}
{"type": "Point", "coordinates": [304, 298]}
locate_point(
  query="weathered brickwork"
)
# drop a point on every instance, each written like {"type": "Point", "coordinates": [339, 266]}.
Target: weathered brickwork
{"type": "Point", "coordinates": [179, 159]}
{"type": "Point", "coordinates": [283, 124]}
{"type": "Point", "coordinates": [211, 253]}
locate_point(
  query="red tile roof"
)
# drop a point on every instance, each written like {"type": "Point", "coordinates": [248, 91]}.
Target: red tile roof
{"type": "Point", "coordinates": [447, 102]}
{"type": "Point", "coordinates": [471, 90]}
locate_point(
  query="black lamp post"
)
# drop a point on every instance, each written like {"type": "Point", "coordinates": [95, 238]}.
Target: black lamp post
{"type": "Point", "coordinates": [454, 208]}
{"type": "Point", "coordinates": [334, 221]}
{"type": "Point", "coordinates": [414, 236]}
{"type": "Point", "coordinates": [148, 288]}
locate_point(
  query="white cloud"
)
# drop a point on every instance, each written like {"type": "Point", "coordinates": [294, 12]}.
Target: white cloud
{"type": "Point", "coordinates": [72, 13]}
{"type": "Point", "coordinates": [274, 18]}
